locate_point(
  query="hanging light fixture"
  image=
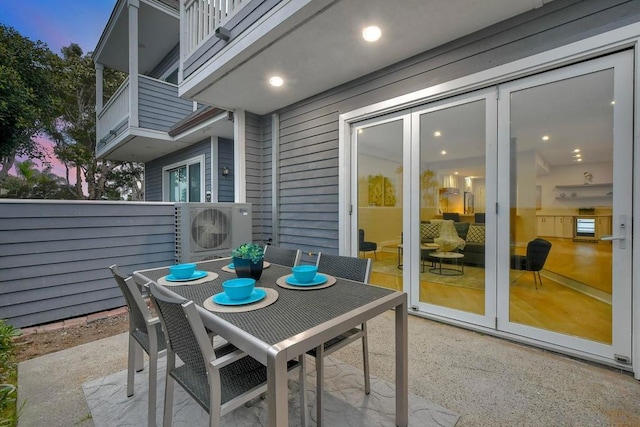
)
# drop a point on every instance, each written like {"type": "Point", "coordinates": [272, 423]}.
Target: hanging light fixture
{"type": "Point", "coordinates": [450, 184]}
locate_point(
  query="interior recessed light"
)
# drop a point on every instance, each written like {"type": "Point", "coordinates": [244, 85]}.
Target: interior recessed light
{"type": "Point", "coordinates": [276, 81]}
{"type": "Point", "coordinates": [437, 133]}
{"type": "Point", "coordinates": [578, 160]}
{"type": "Point", "coordinates": [371, 33]}
{"type": "Point", "coordinates": [577, 150]}
{"type": "Point", "coordinates": [359, 130]}
{"type": "Point", "coordinates": [455, 173]}
{"type": "Point", "coordinates": [613, 102]}
{"type": "Point", "coordinates": [545, 138]}
{"type": "Point", "coordinates": [443, 152]}
{"type": "Point", "coordinates": [577, 156]}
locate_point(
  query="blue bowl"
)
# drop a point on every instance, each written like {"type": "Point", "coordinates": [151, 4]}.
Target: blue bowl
{"type": "Point", "coordinates": [304, 273]}
{"type": "Point", "coordinates": [238, 288]}
{"type": "Point", "coordinates": [182, 271]}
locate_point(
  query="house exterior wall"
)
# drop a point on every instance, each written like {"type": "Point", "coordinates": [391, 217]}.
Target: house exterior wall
{"type": "Point", "coordinates": [54, 255]}
{"type": "Point", "coordinates": [225, 158]}
{"type": "Point", "coordinates": [153, 170]}
{"type": "Point", "coordinates": [308, 173]}
{"type": "Point", "coordinates": [159, 106]}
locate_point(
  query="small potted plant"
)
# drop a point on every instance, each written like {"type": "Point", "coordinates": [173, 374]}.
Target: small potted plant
{"type": "Point", "coordinates": [247, 260]}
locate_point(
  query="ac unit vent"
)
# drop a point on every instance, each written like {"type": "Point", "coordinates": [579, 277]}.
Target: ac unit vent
{"type": "Point", "coordinates": [210, 230]}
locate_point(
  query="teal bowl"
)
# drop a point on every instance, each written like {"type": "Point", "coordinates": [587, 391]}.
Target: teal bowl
{"type": "Point", "coordinates": [182, 271]}
{"type": "Point", "coordinates": [239, 288]}
{"type": "Point", "coordinates": [304, 273]}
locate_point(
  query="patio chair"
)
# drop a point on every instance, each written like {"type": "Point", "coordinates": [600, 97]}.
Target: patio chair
{"type": "Point", "coordinates": [144, 333]}
{"type": "Point", "coordinates": [356, 269]}
{"type": "Point", "coordinates": [219, 379]}
{"type": "Point", "coordinates": [282, 256]}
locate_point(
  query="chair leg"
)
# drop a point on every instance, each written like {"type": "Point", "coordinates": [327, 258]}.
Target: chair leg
{"type": "Point", "coordinates": [365, 359]}
{"type": "Point", "coordinates": [303, 390]}
{"type": "Point", "coordinates": [535, 279]}
{"type": "Point", "coordinates": [539, 278]}
{"type": "Point", "coordinates": [131, 364]}
{"type": "Point", "coordinates": [319, 383]}
{"type": "Point", "coordinates": [139, 356]}
{"type": "Point", "coordinates": [168, 391]}
{"type": "Point", "coordinates": [153, 382]}
{"type": "Point", "coordinates": [215, 400]}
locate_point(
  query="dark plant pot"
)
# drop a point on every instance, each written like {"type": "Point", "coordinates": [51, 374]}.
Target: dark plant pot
{"type": "Point", "coordinates": [246, 268]}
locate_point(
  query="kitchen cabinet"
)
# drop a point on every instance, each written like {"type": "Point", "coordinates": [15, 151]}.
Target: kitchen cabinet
{"type": "Point", "coordinates": [546, 226]}
{"type": "Point", "coordinates": [564, 226]}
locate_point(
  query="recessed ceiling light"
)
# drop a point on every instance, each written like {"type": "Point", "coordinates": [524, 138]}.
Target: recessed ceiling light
{"type": "Point", "coordinates": [577, 150]}
{"type": "Point", "coordinates": [577, 156]}
{"type": "Point", "coordinates": [455, 173]}
{"type": "Point", "coordinates": [578, 160]}
{"type": "Point", "coordinates": [545, 138]}
{"type": "Point", "coordinates": [359, 130]}
{"type": "Point", "coordinates": [276, 81]}
{"type": "Point", "coordinates": [613, 102]}
{"type": "Point", "coordinates": [437, 133]}
{"type": "Point", "coordinates": [443, 152]}
{"type": "Point", "coordinates": [371, 33]}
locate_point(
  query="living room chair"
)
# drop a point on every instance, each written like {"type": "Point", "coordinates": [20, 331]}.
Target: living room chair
{"type": "Point", "coordinates": [537, 252]}
{"type": "Point", "coordinates": [145, 333]}
{"type": "Point", "coordinates": [455, 217]}
{"type": "Point", "coordinates": [281, 256]}
{"type": "Point", "coordinates": [364, 246]}
{"type": "Point", "coordinates": [219, 379]}
{"type": "Point", "coordinates": [356, 269]}
{"type": "Point", "coordinates": [479, 218]}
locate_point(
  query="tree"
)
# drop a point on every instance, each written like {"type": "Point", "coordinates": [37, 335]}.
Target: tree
{"type": "Point", "coordinates": [31, 183]}
{"type": "Point", "coordinates": [26, 96]}
{"type": "Point", "coordinates": [75, 133]}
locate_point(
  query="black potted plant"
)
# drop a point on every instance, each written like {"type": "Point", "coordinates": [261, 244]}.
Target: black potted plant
{"type": "Point", "coordinates": [248, 260]}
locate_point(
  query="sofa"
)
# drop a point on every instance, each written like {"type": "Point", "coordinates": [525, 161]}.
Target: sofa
{"type": "Point", "coordinates": [472, 243]}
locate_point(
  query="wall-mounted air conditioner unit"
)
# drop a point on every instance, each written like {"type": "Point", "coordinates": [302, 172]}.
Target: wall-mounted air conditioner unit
{"type": "Point", "coordinates": [210, 230]}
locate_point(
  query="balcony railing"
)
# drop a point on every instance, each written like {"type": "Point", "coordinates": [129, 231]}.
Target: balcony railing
{"type": "Point", "coordinates": [115, 111]}
{"type": "Point", "coordinates": [202, 17]}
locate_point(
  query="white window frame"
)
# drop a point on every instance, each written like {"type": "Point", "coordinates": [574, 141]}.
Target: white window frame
{"type": "Point", "coordinates": [187, 162]}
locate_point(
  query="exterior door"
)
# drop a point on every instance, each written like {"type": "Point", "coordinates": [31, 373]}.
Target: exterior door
{"type": "Point", "coordinates": [565, 155]}
{"type": "Point", "coordinates": [453, 234]}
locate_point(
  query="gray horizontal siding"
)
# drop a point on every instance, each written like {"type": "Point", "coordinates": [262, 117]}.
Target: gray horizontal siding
{"type": "Point", "coordinates": [159, 106]}
{"type": "Point", "coordinates": [254, 172]}
{"type": "Point", "coordinates": [54, 255]}
{"type": "Point", "coordinates": [226, 191]}
{"type": "Point", "coordinates": [153, 169]}
{"type": "Point", "coordinates": [168, 63]}
{"type": "Point", "coordinates": [308, 170]}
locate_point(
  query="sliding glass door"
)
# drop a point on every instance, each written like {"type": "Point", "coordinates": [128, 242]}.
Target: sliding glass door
{"type": "Point", "coordinates": [455, 143]}
{"type": "Point", "coordinates": [566, 153]}
{"type": "Point", "coordinates": [509, 208]}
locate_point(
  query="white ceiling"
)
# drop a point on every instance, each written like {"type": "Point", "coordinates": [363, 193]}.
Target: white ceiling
{"type": "Point", "coordinates": [327, 49]}
{"type": "Point", "coordinates": [575, 113]}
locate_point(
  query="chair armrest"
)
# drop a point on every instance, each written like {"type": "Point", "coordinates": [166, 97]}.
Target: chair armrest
{"type": "Point", "coordinates": [227, 359]}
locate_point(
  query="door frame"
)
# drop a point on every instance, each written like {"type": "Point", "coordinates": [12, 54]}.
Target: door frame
{"type": "Point", "coordinates": [601, 44]}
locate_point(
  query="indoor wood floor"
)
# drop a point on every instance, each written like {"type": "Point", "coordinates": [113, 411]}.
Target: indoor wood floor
{"type": "Point", "coordinates": [552, 306]}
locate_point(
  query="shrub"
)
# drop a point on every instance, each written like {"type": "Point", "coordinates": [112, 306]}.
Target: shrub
{"type": "Point", "coordinates": [8, 375]}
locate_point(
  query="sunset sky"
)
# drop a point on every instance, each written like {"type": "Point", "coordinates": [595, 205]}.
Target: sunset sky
{"type": "Point", "coordinates": [58, 23]}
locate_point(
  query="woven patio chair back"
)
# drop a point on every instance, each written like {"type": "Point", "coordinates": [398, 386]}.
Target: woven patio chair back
{"type": "Point", "coordinates": [281, 256]}
{"type": "Point", "coordinates": [351, 268]}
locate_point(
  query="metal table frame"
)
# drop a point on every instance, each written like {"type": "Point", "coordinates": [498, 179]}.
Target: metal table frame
{"type": "Point", "coordinates": [275, 355]}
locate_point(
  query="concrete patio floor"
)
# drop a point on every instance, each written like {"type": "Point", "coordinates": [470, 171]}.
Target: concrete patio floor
{"type": "Point", "coordinates": [488, 381]}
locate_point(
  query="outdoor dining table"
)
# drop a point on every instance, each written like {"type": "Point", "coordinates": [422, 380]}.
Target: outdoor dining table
{"type": "Point", "coordinates": [298, 321]}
